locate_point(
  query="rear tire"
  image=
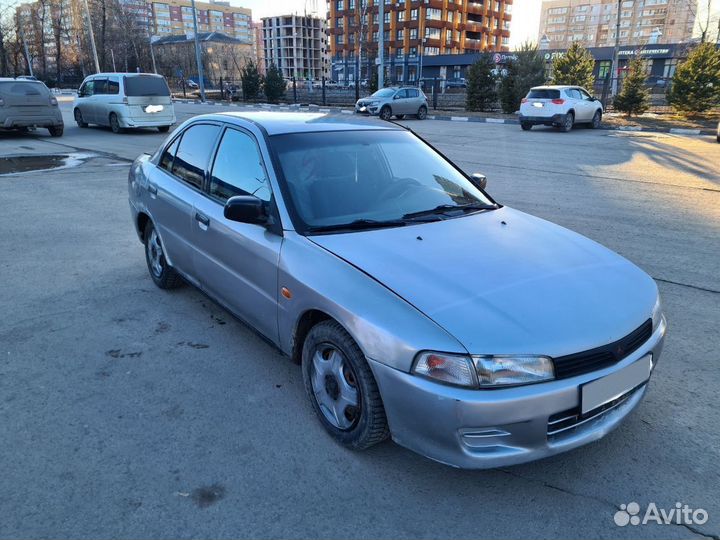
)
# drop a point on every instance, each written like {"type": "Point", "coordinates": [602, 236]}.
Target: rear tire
{"type": "Point", "coordinates": [115, 124]}
{"type": "Point", "coordinates": [525, 126]}
{"type": "Point", "coordinates": [161, 272]}
{"type": "Point", "coordinates": [163, 129]}
{"type": "Point", "coordinates": [567, 124]}
{"type": "Point", "coordinates": [79, 119]}
{"type": "Point", "coordinates": [385, 113]}
{"type": "Point", "coordinates": [422, 113]}
{"type": "Point", "coordinates": [56, 131]}
{"type": "Point", "coordinates": [341, 387]}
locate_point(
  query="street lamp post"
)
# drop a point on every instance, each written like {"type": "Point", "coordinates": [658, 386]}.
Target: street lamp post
{"type": "Point", "coordinates": [92, 38]}
{"type": "Point", "coordinates": [198, 58]}
{"type": "Point", "coordinates": [615, 73]}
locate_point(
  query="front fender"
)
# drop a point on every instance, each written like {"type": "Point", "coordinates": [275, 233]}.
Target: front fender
{"type": "Point", "coordinates": [386, 328]}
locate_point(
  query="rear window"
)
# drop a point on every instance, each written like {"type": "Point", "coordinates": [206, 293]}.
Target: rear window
{"type": "Point", "coordinates": [146, 85]}
{"type": "Point", "coordinates": [14, 88]}
{"type": "Point", "coordinates": [540, 93]}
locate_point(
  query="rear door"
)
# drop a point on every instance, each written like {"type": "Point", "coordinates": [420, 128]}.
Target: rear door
{"type": "Point", "coordinates": [148, 98]}
{"type": "Point", "coordinates": [26, 98]}
{"type": "Point", "coordinates": [414, 100]}
{"type": "Point", "coordinates": [237, 263]}
{"type": "Point", "coordinates": [174, 187]}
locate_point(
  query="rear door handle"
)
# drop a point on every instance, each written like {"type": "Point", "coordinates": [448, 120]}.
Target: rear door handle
{"type": "Point", "coordinates": [203, 220]}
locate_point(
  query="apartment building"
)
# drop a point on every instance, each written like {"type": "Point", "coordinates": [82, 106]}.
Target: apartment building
{"type": "Point", "coordinates": [257, 27]}
{"type": "Point", "coordinates": [176, 17]}
{"type": "Point", "coordinates": [592, 23]}
{"type": "Point", "coordinates": [413, 29]}
{"type": "Point", "coordinates": [297, 44]}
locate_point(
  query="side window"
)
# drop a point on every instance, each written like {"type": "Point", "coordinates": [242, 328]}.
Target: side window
{"type": "Point", "coordinates": [584, 95]}
{"type": "Point", "coordinates": [167, 156]}
{"type": "Point", "coordinates": [100, 86]}
{"type": "Point", "coordinates": [238, 168]}
{"type": "Point", "coordinates": [574, 94]}
{"type": "Point", "coordinates": [402, 94]}
{"type": "Point", "coordinates": [87, 89]}
{"type": "Point", "coordinates": [413, 93]}
{"type": "Point", "coordinates": [193, 153]}
{"type": "Point", "coordinates": [113, 85]}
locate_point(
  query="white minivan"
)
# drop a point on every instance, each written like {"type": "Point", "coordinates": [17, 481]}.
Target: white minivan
{"type": "Point", "coordinates": [124, 100]}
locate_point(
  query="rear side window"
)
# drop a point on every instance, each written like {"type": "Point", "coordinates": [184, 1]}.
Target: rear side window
{"type": "Point", "coordinates": [193, 153]}
{"type": "Point", "coordinates": [413, 93]}
{"type": "Point", "coordinates": [238, 168]}
{"type": "Point", "coordinates": [542, 93]}
{"type": "Point", "coordinates": [23, 89]}
{"type": "Point", "coordinates": [113, 86]}
{"type": "Point", "coordinates": [146, 85]}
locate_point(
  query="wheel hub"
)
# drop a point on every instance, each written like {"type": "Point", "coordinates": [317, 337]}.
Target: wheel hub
{"type": "Point", "coordinates": [332, 388]}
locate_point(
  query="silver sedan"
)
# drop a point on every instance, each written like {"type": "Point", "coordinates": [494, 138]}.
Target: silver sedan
{"type": "Point", "coordinates": [419, 307]}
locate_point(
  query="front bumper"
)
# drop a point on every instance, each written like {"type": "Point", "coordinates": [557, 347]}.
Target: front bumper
{"type": "Point", "coordinates": [554, 120]}
{"type": "Point", "coordinates": [371, 110]}
{"type": "Point", "coordinates": [478, 429]}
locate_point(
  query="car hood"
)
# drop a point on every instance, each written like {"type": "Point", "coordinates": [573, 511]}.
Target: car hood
{"type": "Point", "coordinates": [505, 282]}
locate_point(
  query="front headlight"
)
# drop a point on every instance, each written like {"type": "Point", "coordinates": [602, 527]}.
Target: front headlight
{"type": "Point", "coordinates": [657, 314]}
{"type": "Point", "coordinates": [485, 371]}
{"type": "Point", "coordinates": [508, 370]}
{"type": "Point", "coordinates": [447, 368]}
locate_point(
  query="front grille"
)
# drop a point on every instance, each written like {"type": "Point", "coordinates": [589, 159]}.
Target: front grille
{"type": "Point", "coordinates": [602, 357]}
{"type": "Point", "coordinates": [567, 422]}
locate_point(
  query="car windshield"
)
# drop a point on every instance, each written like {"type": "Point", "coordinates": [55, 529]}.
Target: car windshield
{"type": "Point", "coordinates": [384, 92]}
{"type": "Point", "coordinates": [146, 85]}
{"type": "Point", "coordinates": [543, 93]}
{"type": "Point", "coordinates": [371, 178]}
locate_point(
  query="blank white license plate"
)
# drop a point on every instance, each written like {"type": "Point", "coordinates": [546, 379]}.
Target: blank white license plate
{"type": "Point", "coordinates": [616, 384]}
{"type": "Point", "coordinates": [538, 104]}
{"type": "Point", "coordinates": [154, 109]}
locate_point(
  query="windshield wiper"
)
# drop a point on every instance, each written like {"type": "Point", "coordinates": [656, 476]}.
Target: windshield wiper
{"type": "Point", "coordinates": [444, 208]}
{"type": "Point", "coordinates": [358, 225]}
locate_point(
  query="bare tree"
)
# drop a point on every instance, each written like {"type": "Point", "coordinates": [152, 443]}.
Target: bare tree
{"type": "Point", "coordinates": [705, 19]}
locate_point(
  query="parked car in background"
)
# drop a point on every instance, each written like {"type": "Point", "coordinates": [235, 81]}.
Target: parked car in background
{"type": "Point", "coordinates": [560, 106]}
{"type": "Point", "coordinates": [124, 100]}
{"type": "Point", "coordinates": [192, 84]}
{"type": "Point", "coordinates": [417, 306]}
{"type": "Point", "coordinates": [27, 103]}
{"type": "Point", "coordinates": [456, 83]}
{"type": "Point", "coordinates": [394, 101]}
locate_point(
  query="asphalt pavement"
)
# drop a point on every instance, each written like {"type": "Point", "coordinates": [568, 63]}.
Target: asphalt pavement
{"type": "Point", "coordinates": [127, 411]}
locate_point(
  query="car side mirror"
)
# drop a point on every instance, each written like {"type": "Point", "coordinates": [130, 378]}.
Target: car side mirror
{"type": "Point", "coordinates": [246, 209]}
{"type": "Point", "coordinates": [396, 96]}
{"type": "Point", "coordinates": [479, 180]}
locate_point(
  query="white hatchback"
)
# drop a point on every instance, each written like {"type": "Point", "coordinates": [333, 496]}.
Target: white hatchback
{"type": "Point", "coordinates": [559, 106]}
{"type": "Point", "coordinates": [124, 100]}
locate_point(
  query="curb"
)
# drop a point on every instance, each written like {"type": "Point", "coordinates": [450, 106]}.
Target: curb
{"type": "Point", "coordinates": [446, 118]}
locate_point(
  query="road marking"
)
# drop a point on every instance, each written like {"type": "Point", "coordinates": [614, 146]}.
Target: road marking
{"type": "Point", "coordinates": [685, 131]}
{"type": "Point", "coordinates": [495, 120]}
{"type": "Point", "coordinates": [459, 118]}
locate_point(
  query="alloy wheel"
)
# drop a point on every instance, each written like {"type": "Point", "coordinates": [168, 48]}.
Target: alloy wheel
{"type": "Point", "coordinates": [155, 254]}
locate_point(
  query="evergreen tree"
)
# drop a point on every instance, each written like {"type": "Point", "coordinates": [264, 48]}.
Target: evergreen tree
{"type": "Point", "coordinates": [274, 84]}
{"type": "Point", "coordinates": [696, 85]}
{"type": "Point", "coordinates": [526, 71]}
{"type": "Point", "coordinates": [575, 68]}
{"type": "Point", "coordinates": [251, 80]}
{"type": "Point", "coordinates": [634, 97]}
{"type": "Point", "coordinates": [481, 93]}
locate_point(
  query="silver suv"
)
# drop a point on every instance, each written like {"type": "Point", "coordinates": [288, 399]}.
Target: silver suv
{"type": "Point", "coordinates": [394, 101]}
{"type": "Point", "coordinates": [28, 104]}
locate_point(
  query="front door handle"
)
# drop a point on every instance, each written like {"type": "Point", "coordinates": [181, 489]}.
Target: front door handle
{"type": "Point", "coordinates": [152, 189]}
{"type": "Point", "coordinates": [204, 221]}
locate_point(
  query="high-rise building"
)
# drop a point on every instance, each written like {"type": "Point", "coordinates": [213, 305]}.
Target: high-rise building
{"type": "Point", "coordinates": [296, 44]}
{"type": "Point", "coordinates": [413, 29]}
{"type": "Point", "coordinates": [592, 23]}
{"type": "Point", "coordinates": [176, 17]}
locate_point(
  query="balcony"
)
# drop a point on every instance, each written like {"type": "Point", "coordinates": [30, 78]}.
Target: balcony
{"type": "Point", "coordinates": [476, 8]}
{"type": "Point", "coordinates": [473, 44]}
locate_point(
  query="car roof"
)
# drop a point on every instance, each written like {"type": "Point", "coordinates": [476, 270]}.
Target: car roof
{"type": "Point", "coordinates": [12, 79]}
{"type": "Point", "coordinates": [130, 74]}
{"type": "Point", "coordinates": [280, 123]}
{"type": "Point", "coordinates": [554, 87]}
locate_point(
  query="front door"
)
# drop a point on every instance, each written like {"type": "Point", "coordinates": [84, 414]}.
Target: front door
{"type": "Point", "coordinates": [84, 101]}
{"type": "Point", "coordinates": [237, 263]}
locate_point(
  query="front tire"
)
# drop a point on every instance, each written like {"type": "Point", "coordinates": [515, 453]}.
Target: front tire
{"type": "Point", "coordinates": [341, 387]}
{"type": "Point", "coordinates": [422, 113]}
{"type": "Point", "coordinates": [79, 119]}
{"type": "Point", "coordinates": [597, 119]}
{"type": "Point", "coordinates": [115, 123]}
{"type": "Point", "coordinates": [163, 129]}
{"type": "Point", "coordinates": [525, 126]}
{"type": "Point", "coordinates": [385, 113]}
{"type": "Point", "coordinates": [161, 272]}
